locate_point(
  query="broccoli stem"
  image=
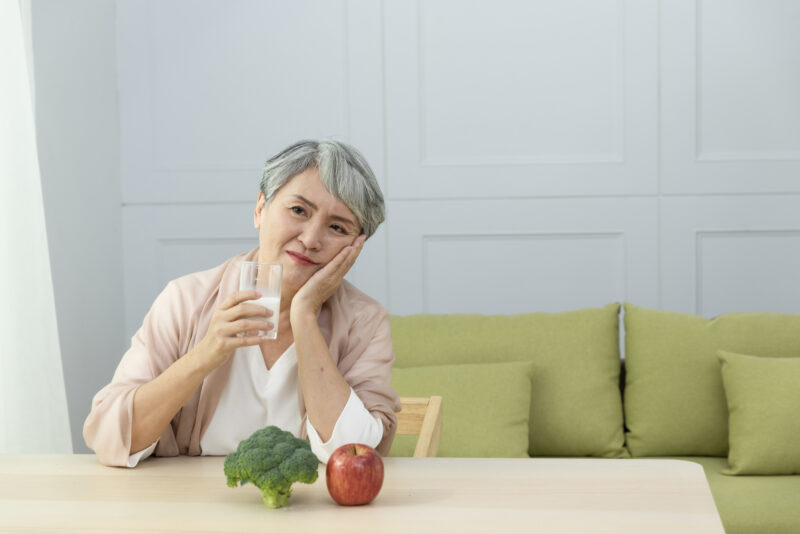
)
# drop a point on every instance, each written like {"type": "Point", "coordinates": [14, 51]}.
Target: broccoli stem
{"type": "Point", "coordinates": [277, 499]}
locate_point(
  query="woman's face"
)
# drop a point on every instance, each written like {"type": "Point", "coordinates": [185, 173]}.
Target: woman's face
{"type": "Point", "coordinates": [303, 228]}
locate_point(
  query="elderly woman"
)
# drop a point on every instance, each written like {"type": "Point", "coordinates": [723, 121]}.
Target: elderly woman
{"type": "Point", "coordinates": [194, 380]}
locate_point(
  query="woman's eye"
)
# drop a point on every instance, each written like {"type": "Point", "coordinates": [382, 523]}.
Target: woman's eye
{"type": "Point", "coordinates": [339, 229]}
{"type": "Point", "coordinates": [298, 210]}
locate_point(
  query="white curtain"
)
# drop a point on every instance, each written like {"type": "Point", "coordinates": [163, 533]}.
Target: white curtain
{"type": "Point", "coordinates": [33, 401]}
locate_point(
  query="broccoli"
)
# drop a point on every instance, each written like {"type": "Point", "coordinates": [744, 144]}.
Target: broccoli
{"type": "Point", "coordinates": [272, 459]}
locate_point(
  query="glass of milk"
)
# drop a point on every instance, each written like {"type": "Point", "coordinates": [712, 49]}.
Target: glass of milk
{"type": "Point", "coordinates": [266, 278]}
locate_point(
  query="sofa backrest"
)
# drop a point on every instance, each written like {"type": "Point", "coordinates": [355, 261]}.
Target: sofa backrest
{"type": "Point", "coordinates": [575, 400]}
{"type": "Point", "coordinates": [674, 400]}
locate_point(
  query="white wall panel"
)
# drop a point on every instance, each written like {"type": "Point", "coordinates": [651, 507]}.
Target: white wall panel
{"type": "Point", "coordinates": [164, 242]}
{"type": "Point", "coordinates": [494, 274]}
{"type": "Point", "coordinates": [731, 254]}
{"type": "Point", "coordinates": [515, 256]}
{"type": "Point", "coordinates": [516, 138]}
{"type": "Point", "coordinates": [754, 271]}
{"type": "Point", "coordinates": [545, 98]}
{"type": "Point", "coordinates": [365, 82]}
{"type": "Point", "coordinates": [730, 111]}
{"type": "Point", "coordinates": [212, 88]}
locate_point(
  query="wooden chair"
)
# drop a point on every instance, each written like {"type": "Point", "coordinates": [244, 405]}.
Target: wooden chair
{"type": "Point", "coordinates": [422, 416]}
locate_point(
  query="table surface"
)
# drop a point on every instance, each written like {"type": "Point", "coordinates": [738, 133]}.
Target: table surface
{"type": "Point", "coordinates": [74, 493]}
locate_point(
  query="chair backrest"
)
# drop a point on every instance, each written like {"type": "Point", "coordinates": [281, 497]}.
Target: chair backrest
{"type": "Point", "coordinates": [423, 416]}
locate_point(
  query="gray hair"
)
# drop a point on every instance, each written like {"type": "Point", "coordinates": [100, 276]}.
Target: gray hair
{"type": "Point", "coordinates": [343, 171]}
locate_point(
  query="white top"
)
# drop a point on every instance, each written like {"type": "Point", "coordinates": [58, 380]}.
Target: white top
{"type": "Point", "coordinates": [255, 397]}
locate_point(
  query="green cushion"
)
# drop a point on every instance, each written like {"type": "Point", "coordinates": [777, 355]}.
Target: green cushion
{"type": "Point", "coordinates": [575, 407]}
{"type": "Point", "coordinates": [764, 405]}
{"type": "Point", "coordinates": [674, 400]}
{"type": "Point", "coordinates": [484, 407]}
{"type": "Point", "coordinates": [753, 505]}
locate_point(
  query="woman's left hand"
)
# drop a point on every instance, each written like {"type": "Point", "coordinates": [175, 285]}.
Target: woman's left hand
{"type": "Point", "coordinates": [325, 282]}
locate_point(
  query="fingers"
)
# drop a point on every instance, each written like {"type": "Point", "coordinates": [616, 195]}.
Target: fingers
{"type": "Point", "coordinates": [352, 254]}
{"type": "Point", "coordinates": [329, 277]}
{"type": "Point", "coordinates": [239, 297]}
{"type": "Point", "coordinates": [235, 324]}
{"type": "Point", "coordinates": [250, 310]}
{"type": "Point", "coordinates": [244, 309]}
{"type": "Point", "coordinates": [348, 255]}
{"type": "Point", "coordinates": [337, 267]}
{"type": "Point", "coordinates": [245, 326]}
{"type": "Point", "coordinates": [241, 319]}
{"type": "Point", "coordinates": [223, 331]}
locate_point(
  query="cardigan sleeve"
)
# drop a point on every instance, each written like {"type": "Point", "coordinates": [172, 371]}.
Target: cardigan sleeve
{"type": "Point", "coordinates": [154, 347]}
{"type": "Point", "coordinates": [366, 365]}
{"type": "Point", "coordinates": [355, 425]}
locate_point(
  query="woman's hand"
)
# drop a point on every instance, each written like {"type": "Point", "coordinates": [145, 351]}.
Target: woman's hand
{"type": "Point", "coordinates": [325, 282]}
{"type": "Point", "coordinates": [156, 402]}
{"type": "Point", "coordinates": [325, 391]}
{"type": "Point", "coordinates": [233, 317]}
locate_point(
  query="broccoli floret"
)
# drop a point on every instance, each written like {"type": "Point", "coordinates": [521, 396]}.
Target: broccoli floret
{"type": "Point", "coordinates": [272, 459]}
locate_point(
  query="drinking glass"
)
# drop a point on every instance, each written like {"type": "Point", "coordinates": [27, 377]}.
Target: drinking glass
{"type": "Point", "coordinates": [266, 278]}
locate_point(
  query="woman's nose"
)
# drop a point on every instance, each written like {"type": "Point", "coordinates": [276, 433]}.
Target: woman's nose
{"type": "Point", "coordinates": [311, 236]}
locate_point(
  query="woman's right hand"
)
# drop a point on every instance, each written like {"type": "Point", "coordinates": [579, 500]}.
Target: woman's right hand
{"type": "Point", "coordinates": [233, 317]}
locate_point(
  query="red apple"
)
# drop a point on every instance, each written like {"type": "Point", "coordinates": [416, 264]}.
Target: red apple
{"type": "Point", "coordinates": [354, 474]}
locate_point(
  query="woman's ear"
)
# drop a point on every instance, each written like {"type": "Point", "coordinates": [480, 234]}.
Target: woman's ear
{"type": "Point", "coordinates": [261, 203]}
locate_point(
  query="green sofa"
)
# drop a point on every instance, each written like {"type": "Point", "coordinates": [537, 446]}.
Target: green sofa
{"type": "Point", "coordinates": [724, 393]}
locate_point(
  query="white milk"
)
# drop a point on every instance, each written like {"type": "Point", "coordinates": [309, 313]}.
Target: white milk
{"type": "Point", "coordinates": [274, 304]}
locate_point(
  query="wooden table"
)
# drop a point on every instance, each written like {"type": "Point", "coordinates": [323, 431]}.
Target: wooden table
{"type": "Point", "coordinates": [74, 493]}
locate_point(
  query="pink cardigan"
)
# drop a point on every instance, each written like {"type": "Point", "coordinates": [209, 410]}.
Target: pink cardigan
{"type": "Point", "coordinates": [355, 326]}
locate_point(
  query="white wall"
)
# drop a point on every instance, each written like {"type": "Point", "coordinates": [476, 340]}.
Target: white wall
{"type": "Point", "coordinates": [536, 156]}
{"type": "Point", "coordinates": [77, 120]}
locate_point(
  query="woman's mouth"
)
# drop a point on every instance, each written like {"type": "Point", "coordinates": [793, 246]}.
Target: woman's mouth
{"type": "Point", "coordinates": [300, 259]}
